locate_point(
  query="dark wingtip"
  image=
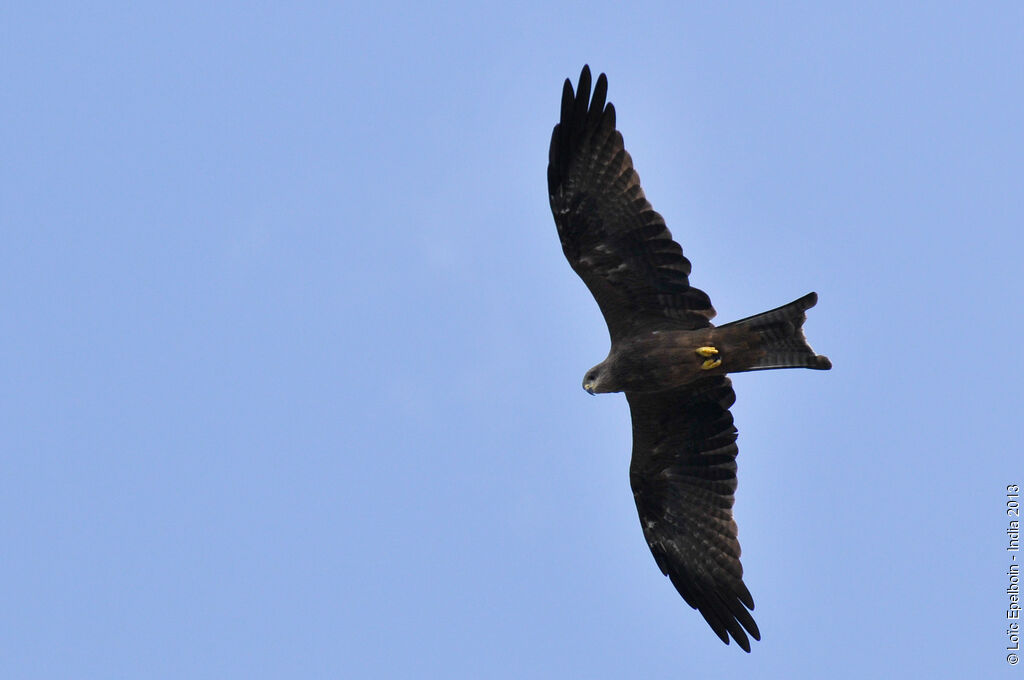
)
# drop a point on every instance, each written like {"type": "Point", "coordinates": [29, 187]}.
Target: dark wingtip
{"type": "Point", "coordinates": [597, 101]}
{"type": "Point", "coordinates": [590, 102]}
{"type": "Point", "coordinates": [741, 640]}
{"type": "Point", "coordinates": [743, 593]}
{"type": "Point", "coordinates": [583, 91]}
{"type": "Point", "coordinates": [754, 631]}
{"type": "Point", "coordinates": [582, 114]}
{"type": "Point", "coordinates": [568, 99]}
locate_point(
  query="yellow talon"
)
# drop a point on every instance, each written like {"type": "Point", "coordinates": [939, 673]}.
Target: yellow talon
{"type": "Point", "coordinates": [707, 351]}
{"type": "Point", "coordinates": [710, 363]}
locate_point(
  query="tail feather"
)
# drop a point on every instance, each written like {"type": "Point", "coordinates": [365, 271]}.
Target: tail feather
{"type": "Point", "coordinates": [781, 332]}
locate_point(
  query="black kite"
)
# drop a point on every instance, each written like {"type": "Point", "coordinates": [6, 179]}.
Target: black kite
{"type": "Point", "coordinates": [666, 356]}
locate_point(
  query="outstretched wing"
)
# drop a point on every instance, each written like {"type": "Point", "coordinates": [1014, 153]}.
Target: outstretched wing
{"type": "Point", "coordinates": [610, 234]}
{"type": "Point", "coordinates": [683, 475]}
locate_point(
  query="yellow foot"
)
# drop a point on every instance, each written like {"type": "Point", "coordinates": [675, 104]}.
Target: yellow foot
{"type": "Point", "coordinates": [711, 363]}
{"type": "Point", "coordinates": [707, 351]}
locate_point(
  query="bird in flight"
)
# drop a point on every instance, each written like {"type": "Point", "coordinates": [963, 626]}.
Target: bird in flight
{"type": "Point", "coordinates": [667, 357]}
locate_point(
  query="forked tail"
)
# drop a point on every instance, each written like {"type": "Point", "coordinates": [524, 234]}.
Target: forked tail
{"type": "Point", "coordinates": [781, 332]}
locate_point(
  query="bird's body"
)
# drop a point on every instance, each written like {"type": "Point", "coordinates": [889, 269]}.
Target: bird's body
{"type": "Point", "coordinates": [661, 360]}
{"type": "Point", "coordinates": [657, 361]}
{"type": "Point", "coordinates": [666, 356]}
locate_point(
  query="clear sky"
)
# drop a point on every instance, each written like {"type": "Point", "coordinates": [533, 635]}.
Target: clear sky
{"type": "Point", "coordinates": [291, 358]}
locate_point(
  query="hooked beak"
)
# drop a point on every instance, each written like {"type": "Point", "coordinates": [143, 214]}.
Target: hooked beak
{"type": "Point", "coordinates": [589, 387]}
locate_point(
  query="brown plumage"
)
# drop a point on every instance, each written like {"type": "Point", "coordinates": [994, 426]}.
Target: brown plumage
{"type": "Point", "coordinates": [666, 356]}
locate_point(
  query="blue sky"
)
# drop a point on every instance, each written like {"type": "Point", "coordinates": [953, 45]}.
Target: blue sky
{"type": "Point", "coordinates": [291, 356]}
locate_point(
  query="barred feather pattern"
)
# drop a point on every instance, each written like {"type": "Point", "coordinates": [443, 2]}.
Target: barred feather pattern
{"type": "Point", "coordinates": [610, 233]}
{"type": "Point", "coordinates": [683, 475]}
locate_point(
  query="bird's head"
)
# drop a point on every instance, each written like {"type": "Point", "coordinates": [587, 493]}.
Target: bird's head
{"type": "Point", "coordinates": [594, 381]}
